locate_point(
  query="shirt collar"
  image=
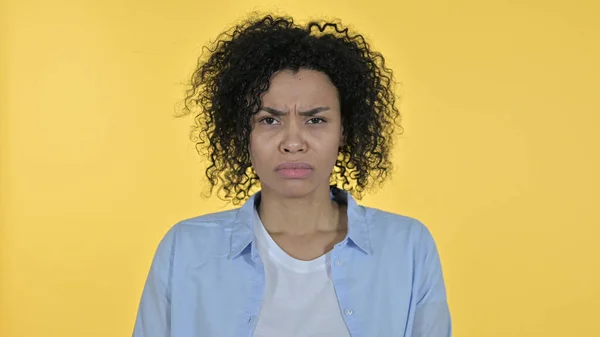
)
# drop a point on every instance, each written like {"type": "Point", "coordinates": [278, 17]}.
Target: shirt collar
{"type": "Point", "coordinates": [242, 231]}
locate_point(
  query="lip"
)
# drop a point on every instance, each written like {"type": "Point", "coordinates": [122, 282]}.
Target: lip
{"type": "Point", "coordinates": [294, 170]}
{"type": "Point", "coordinates": [293, 166]}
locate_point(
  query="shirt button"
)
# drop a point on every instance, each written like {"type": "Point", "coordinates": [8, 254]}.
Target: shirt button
{"type": "Point", "coordinates": [349, 312]}
{"type": "Point", "coordinates": [338, 263]}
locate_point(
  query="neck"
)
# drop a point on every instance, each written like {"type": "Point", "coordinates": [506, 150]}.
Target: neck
{"type": "Point", "coordinates": [308, 215]}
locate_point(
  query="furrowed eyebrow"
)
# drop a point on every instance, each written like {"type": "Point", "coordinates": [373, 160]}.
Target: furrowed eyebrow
{"type": "Point", "coordinates": [308, 113]}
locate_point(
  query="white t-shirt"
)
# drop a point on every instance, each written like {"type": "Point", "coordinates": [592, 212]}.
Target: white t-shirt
{"type": "Point", "coordinates": [299, 299]}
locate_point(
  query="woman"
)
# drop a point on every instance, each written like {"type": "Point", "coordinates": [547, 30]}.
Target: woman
{"type": "Point", "coordinates": [298, 110]}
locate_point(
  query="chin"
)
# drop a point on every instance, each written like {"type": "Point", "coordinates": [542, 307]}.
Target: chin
{"type": "Point", "coordinates": [293, 188]}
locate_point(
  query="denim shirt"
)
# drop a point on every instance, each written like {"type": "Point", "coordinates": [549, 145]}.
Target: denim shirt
{"type": "Point", "coordinates": [207, 278]}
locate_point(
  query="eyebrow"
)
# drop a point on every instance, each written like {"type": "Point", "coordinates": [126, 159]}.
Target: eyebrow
{"type": "Point", "coordinates": [308, 113]}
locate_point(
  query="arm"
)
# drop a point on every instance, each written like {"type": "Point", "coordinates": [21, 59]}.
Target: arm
{"type": "Point", "coordinates": [153, 318]}
{"type": "Point", "coordinates": [432, 315]}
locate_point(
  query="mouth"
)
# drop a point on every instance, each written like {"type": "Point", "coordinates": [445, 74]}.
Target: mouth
{"type": "Point", "coordinates": [294, 170]}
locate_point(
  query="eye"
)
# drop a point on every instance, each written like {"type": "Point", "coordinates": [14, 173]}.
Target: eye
{"type": "Point", "coordinates": [268, 120]}
{"type": "Point", "coordinates": [317, 120]}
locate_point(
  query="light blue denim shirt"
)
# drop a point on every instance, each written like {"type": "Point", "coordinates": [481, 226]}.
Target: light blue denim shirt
{"type": "Point", "coordinates": [207, 278]}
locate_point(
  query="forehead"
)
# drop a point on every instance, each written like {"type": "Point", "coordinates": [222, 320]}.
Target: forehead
{"type": "Point", "coordinates": [305, 87]}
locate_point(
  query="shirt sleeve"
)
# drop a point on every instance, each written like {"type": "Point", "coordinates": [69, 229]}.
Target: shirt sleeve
{"type": "Point", "coordinates": [432, 315]}
{"type": "Point", "coordinates": [153, 317]}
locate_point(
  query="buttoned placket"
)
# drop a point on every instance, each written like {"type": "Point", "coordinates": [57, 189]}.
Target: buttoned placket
{"type": "Point", "coordinates": [256, 294]}
{"type": "Point", "coordinates": [339, 263]}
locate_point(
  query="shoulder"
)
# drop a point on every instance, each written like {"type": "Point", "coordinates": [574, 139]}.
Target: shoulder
{"type": "Point", "coordinates": [388, 228]}
{"type": "Point", "coordinates": [210, 221]}
{"type": "Point", "coordinates": [381, 220]}
{"type": "Point", "coordinates": [204, 233]}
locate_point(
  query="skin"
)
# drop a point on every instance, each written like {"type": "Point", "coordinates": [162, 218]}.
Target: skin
{"type": "Point", "coordinates": [300, 121]}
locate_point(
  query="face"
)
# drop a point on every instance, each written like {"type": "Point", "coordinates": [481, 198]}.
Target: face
{"type": "Point", "coordinates": [297, 133]}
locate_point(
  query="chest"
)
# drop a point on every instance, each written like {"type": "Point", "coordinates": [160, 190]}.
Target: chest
{"type": "Point", "coordinates": [308, 247]}
{"type": "Point", "coordinates": [299, 302]}
{"type": "Point", "coordinates": [223, 297]}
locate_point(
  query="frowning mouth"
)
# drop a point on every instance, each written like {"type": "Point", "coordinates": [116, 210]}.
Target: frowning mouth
{"type": "Point", "coordinates": [294, 170]}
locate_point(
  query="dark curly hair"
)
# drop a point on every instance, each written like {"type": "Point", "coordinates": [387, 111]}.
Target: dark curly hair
{"type": "Point", "coordinates": [235, 71]}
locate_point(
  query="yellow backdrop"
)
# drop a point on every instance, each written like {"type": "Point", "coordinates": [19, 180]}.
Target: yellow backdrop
{"type": "Point", "coordinates": [500, 156]}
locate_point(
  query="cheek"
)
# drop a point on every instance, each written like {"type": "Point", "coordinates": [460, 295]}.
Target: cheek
{"type": "Point", "coordinates": [327, 144]}
{"type": "Point", "coordinates": [257, 149]}
{"type": "Point", "coordinates": [250, 149]}
{"type": "Point", "coordinates": [327, 136]}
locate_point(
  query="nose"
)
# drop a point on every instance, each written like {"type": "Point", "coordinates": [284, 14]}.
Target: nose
{"type": "Point", "coordinates": [293, 140]}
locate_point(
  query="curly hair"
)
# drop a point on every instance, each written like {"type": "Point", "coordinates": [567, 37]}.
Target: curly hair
{"type": "Point", "coordinates": [227, 85]}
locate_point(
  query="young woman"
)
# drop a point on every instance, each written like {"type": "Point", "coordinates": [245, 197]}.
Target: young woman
{"type": "Point", "coordinates": [307, 113]}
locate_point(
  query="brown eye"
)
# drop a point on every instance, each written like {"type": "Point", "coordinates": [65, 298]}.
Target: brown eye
{"type": "Point", "coordinates": [317, 120]}
{"type": "Point", "coordinates": [268, 120]}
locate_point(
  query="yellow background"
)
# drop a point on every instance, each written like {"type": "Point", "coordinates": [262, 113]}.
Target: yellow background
{"type": "Point", "coordinates": [500, 155]}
